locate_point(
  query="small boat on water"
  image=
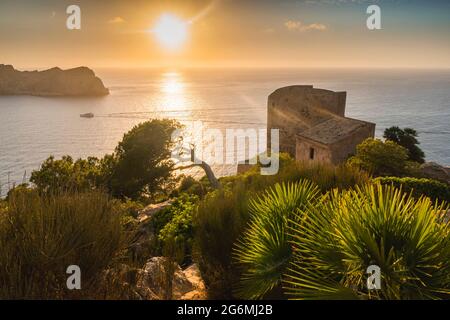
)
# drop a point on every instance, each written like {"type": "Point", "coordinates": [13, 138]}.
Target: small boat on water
{"type": "Point", "coordinates": [87, 115]}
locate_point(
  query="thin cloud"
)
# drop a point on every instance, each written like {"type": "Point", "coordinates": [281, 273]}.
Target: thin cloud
{"type": "Point", "coordinates": [338, 1]}
{"type": "Point", "coordinates": [269, 30]}
{"type": "Point", "coordinates": [117, 20]}
{"type": "Point", "coordinates": [298, 26]}
{"type": "Point", "coordinates": [315, 26]}
{"type": "Point", "coordinates": [203, 13]}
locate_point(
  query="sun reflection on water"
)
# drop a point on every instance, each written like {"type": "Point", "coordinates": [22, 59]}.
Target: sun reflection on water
{"type": "Point", "coordinates": [172, 83]}
{"type": "Point", "coordinates": [174, 98]}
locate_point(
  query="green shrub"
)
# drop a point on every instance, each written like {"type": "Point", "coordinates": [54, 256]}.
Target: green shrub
{"type": "Point", "coordinates": [159, 219]}
{"type": "Point", "coordinates": [66, 174]}
{"type": "Point", "coordinates": [264, 250]}
{"type": "Point", "coordinates": [41, 235]}
{"type": "Point", "coordinates": [420, 187]}
{"type": "Point", "coordinates": [140, 166]}
{"type": "Point", "coordinates": [130, 211]}
{"type": "Point", "coordinates": [132, 208]}
{"type": "Point", "coordinates": [192, 186]}
{"type": "Point", "coordinates": [381, 158]}
{"type": "Point", "coordinates": [141, 163]}
{"type": "Point", "coordinates": [407, 138]}
{"type": "Point", "coordinates": [379, 225]}
{"type": "Point", "coordinates": [218, 222]}
{"type": "Point", "coordinates": [174, 224]}
{"type": "Point", "coordinates": [179, 229]}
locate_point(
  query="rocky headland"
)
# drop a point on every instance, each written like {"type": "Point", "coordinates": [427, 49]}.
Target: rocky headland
{"type": "Point", "coordinates": [53, 82]}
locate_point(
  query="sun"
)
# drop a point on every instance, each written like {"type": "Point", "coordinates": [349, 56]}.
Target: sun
{"type": "Point", "coordinates": [170, 31]}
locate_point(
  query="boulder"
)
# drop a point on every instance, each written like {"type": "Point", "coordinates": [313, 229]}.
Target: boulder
{"type": "Point", "coordinates": [432, 170]}
{"type": "Point", "coordinates": [193, 274]}
{"type": "Point", "coordinates": [151, 209]}
{"type": "Point", "coordinates": [186, 284]}
{"type": "Point", "coordinates": [119, 283]}
{"type": "Point", "coordinates": [144, 238]}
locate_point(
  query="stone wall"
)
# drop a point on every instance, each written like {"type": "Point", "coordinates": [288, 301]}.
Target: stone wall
{"type": "Point", "coordinates": [336, 152]}
{"type": "Point", "coordinates": [343, 149]}
{"type": "Point", "coordinates": [322, 153]}
{"type": "Point", "coordinates": [296, 108]}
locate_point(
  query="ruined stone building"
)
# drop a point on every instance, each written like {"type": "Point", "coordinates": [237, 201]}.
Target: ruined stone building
{"type": "Point", "coordinates": [313, 126]}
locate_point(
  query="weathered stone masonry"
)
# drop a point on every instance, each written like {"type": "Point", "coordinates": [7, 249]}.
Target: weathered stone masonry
{"type": "Point", "coordinates": [313, 126]}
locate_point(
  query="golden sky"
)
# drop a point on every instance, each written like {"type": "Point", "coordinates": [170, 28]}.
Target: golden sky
{"type": "Point", "coordinates": [231, 33]}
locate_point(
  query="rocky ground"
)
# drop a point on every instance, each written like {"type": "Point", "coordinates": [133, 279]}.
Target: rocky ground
{"type": "Point", "coordinates": [150, 282]}
{"type": "Point", "coordinates": [187, 284]}
{"type": "Point", "coordinates": [435, 171]}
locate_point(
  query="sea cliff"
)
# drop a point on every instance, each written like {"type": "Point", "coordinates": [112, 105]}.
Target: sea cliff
{"type": "Point", "coordinates": [80, 81]}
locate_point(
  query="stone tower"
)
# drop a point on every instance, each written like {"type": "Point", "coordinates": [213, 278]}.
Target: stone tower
{"type": "Point", "coordinates": [313, 125]}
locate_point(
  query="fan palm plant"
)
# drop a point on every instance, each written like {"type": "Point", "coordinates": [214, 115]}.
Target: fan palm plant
{"type": "Point", "coordinates": [335, 242]}
{"type": "Point", "coordinates": [264, 250]}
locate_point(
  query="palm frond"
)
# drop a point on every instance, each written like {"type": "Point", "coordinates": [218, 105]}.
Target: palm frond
{"type": "Point", "coordinates": [264, 250]}
{"type": "Point", "coordinates": [372, 225]}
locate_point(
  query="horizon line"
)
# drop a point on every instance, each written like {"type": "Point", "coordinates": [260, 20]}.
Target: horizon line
{"type": "Point", "coordinates": [231, 67]}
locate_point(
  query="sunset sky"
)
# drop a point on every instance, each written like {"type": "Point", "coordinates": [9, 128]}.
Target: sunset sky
{"type": "Point", "coordinates": [234, 33]}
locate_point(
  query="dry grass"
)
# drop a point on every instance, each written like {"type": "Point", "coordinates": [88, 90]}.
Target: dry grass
{"type": "Point", "coordinates": [40, 236]}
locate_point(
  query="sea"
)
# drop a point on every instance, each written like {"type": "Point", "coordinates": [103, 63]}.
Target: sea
{"type": "Point", "coordinates": [33, 128]}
